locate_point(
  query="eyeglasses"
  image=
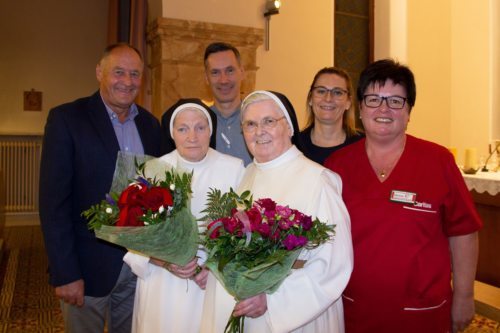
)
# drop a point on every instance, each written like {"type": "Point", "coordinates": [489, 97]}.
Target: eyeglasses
{"type": "Point", "coordinates": [394, 102]}
{"type": "Point", "coordinates": [322, 92]}
{"type": "Point", "coordinates": [267, 123]}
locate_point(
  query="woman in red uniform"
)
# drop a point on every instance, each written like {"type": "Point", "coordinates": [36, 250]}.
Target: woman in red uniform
{"type": "Point", "coordinates": [413, 220]}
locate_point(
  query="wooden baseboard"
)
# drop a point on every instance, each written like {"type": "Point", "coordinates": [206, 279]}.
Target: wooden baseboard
{"type": "Point", "coordinates": [18, 220]}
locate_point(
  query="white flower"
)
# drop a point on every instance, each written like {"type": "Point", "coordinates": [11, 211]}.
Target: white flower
{"type": "Point", "coordinates": [109, 210]}
{"type": "Point", "coordinates": [146, 223]}
{"type": "Point", "coordinates": [172, 187]}
{"type": "Point", "coordinates": [161, 209]}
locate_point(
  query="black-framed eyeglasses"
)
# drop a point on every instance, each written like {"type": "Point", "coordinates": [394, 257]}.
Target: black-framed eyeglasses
{"type": "Point", "coordinates": [321, 92]}
{"type": "Point", "coordinates": [394, 102]}
{"type": "Point", "coordinates": [250, 126]}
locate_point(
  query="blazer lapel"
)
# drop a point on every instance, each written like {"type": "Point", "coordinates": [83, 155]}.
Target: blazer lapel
{"type": "Point", "coordinates": [143, 129]}
{"type": "Point", "coordinates": [101, 122]}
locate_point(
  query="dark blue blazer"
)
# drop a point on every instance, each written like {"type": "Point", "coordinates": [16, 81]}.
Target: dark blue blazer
{"type": "Point", "coordinates": [78, 160]}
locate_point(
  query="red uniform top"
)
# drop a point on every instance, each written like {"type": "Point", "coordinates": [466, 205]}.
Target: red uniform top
{"type": "Point", "coordinates": [400, 229]}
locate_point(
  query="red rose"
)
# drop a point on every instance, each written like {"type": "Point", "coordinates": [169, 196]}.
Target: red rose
{"type": "Point", "coordinates": [232, 225]}
{"type": "Point", "coordinates": [129, 217]}
{"type": "Point", "coordinates": [255, 218]}
{"type": "Point", "coordinates": [157, 197]}
{"type": "Point", "coordinates": [264, 230]}
{"type": "Point", "coordinates": [267, 204]}
{"type": "Point", "coordinates": [132, 195]}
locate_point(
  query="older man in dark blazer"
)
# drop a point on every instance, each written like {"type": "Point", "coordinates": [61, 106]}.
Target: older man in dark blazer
{"type": "Point", "coordinates": [81, 142]}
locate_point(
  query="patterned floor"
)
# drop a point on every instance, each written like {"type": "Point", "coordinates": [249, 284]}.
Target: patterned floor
{"type": "Point", "coordinates": [27, 302]}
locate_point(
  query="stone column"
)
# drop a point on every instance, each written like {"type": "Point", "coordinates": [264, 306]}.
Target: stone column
{"type": "Point", "coordinates": [176, 62]}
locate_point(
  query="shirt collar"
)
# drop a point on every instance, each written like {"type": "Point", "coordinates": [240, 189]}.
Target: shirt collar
{"type": "Point", "coordinates": [132, 111]}
{"type": "Point", "coordinates": [235, 114]}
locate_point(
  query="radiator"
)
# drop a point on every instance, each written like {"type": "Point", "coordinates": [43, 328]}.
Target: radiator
{"type": "Point", "coordinates": [20, 164]}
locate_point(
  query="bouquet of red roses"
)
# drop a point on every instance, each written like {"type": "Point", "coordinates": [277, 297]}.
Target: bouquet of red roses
{"type": "Point", "coordinates": [252, 245]}
{"type": "Point", "coordinates": [150, 215]}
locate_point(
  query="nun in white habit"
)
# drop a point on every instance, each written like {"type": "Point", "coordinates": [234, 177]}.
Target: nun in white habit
{"type": "Point", "coordinates": [169, 298]}
{"type": "Point", "coordinates": [310, 298]}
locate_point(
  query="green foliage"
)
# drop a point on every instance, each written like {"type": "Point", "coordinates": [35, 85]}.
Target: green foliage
{"type": "Point", "coordinates": [228, 247]}
{"type": "Point", "coordinates": [178, 183]}
{"type": "Point", "coordinates": [220, 205]}
{"type": "Point", "coordinates": [103, 213]}
{"type": "Point", "coordinates": [248, 262]}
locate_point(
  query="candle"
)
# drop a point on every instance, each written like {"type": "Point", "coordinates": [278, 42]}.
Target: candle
{"type": "Point", "coordinates": [453, 151]}
{"type": "Point", "coordinates": [470, 159]}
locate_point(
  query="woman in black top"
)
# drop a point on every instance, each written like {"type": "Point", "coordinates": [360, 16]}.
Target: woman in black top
{"type": "Point", "coordinates": [330, 109]}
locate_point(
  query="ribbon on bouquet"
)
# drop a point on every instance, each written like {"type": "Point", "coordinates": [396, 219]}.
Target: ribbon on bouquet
{"type": "Point", "coordinates": [243, 217]}
{"type": "Point", "coordinates": [247, 229]}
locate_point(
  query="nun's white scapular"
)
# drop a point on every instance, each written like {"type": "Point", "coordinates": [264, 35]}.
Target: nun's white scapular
{"type": "Point", "coordinates": [164, 302]}
{"type": "Point", "coordinates": [310, 299]}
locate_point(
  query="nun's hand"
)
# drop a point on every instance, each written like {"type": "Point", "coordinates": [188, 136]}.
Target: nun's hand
{"type": "Point", "coordinates": [252, 307]}
{"type": "Point", "coordinates": [201, 278]}
{"type": "Point", "coordinates": [184, 272]}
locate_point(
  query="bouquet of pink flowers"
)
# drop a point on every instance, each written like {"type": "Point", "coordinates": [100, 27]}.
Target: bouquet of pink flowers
{"type": "Point", "coordinates": [252, 245]}
{"type": "Point", "coordinates": [149, 215]}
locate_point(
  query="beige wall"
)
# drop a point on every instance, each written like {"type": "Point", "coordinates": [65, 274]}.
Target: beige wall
{"type": "Point", "coordinates": [471, 74]}
{"type": "Point", "coordinates": [51, 46]}
{"type": "Point", "coordinates": [495, 57]}
{"type": "Point", "coordinates": [301, 43]}
{"type": "Point", "coordinates": [495, 38]}
{"type": "Point", "coordinates": [450, 46]}
{"type": "Point", "coordinates": [301, 38]}
{"type": "Point", "coordinates": [428, 42]}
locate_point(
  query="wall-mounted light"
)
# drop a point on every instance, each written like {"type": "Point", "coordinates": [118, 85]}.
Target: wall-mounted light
{"type": "Point", "coordinates": [272, 8]}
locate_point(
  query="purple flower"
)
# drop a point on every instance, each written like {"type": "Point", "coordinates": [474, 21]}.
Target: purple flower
{"type": "Point", "coordinates": [306, 222]}
{"type": "Point", "coordinates": [144, 181]}
{"type": "Point", "coordinates": [291, 242]}
{"type": "Point", "coordinates": [110, 200]}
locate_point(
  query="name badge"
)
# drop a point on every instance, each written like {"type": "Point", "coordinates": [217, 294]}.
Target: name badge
{"type": "Point", "coordinates": [403, 196]}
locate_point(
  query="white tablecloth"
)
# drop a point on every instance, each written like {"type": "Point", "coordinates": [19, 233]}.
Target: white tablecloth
{"type": "Point", "coordinates": [483, 182]}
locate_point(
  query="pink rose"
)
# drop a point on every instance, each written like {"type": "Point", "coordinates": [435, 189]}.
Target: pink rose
{"type": "Point", "coordinates": [284, 211]}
